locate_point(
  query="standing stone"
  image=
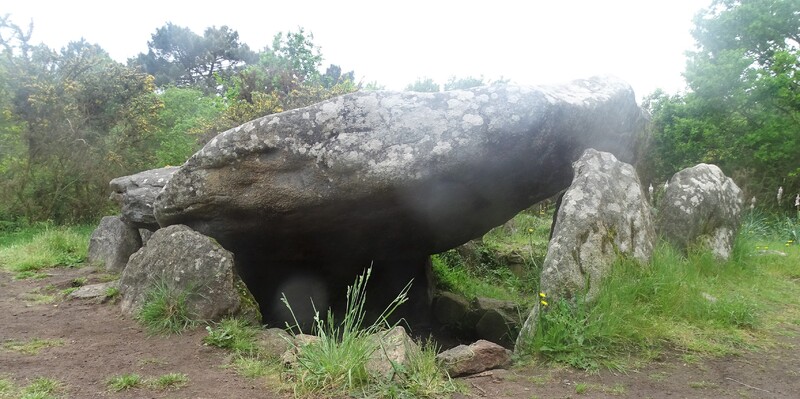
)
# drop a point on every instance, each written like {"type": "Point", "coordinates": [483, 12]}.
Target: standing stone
{"type": "Point", "coordinates": [604, 214]}
{"type": "Point", "coordinates": [701, 207]}
{"type": "Point", "coordinates": [136, 193]}
{"type": "Point", "coordinates": [112, 243]}
{"type": "Point", "coordinates": [184, 260]}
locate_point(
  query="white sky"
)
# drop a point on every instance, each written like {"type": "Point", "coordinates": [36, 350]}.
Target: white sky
{"type": "Point", "coordinates": [393, 43]}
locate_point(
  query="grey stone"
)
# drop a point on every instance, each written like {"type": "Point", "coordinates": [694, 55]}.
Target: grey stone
{"type": "Point", "coordinates": [451, 310]}
{"type": "Point", "coordinates": [373, 174]}
{"type": "Point", "coordinates": [145, 234]}
{"type": "Point", "coordinates": [136, 193]}
{"type": "Point", "coordinates": [475, 358]}
{"type": "Point", "coordinates": [603, 215]}
{"type": "Point", "coordinates": [272, 343]}
{"type": "Point", "coordinates": [92, 291]}
{"type": "Point", "coordinates": [392, 349]}
{"type": "Point", "coordinates": [289, 358]}
{"type": "Point", "coordinates": [701, 207]}
{"type": "Point", "coordinates": [184, 260]}
{"type": "Point", "coordinates": [112, 243]}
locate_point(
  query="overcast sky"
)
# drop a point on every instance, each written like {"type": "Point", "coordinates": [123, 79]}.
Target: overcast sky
{"type": "Point", "coordinates": [393, 43]}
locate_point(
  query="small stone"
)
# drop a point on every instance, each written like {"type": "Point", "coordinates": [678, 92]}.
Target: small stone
{"type": "Point", "coordinates": [94, 290]}
{"type": "Point", "coordinates": [475, 358]}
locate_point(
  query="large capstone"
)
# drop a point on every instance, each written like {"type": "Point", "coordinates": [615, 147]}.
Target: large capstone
{"type": "Point", "coordinates": [136, 193]}
{"type": "Point", "coordinates": [701, 208]}
{"type": "Point", "coordinates": [310, 197]}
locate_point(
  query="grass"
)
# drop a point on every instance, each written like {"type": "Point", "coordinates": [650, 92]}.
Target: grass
{"type": "Point", "coordinates": [169, 381]}
{"type": "Point", "coordinates": [32, 346]}
{"type": "Point", "coordinates": [691, 303]}
{"type": "Point", "coordinates": [40, 388]}
{"type": "Point", "coordinates": [234, 334]}
{"type": "Point", "coordinates": [124, 382]}
{"type": "Point", "coordinates": [505, 265]}
{"type": "Point", "coordinates": [335, 365]}
{"type": "Point", "coordinates": [27, 252]}
{"type": "Point", "coordinates": [165, 310]}
{"type": "Point", "coordinates": [252, 367]}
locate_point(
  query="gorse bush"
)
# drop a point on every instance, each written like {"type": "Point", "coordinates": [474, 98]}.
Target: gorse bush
{"type": "Point", "coordinates": [165, 309]}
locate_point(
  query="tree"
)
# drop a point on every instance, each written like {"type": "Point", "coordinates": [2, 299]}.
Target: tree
{"type": "Point", "coordinates": [78, 119]}
{"type": "Point", "coordinates": [180, 57]}
{"type": "Point", "coordinates": [423, 85]}
{"type": "Point", "coordinates": [743, 110]}
{"type": "Point", "coordinates": [463, 83]}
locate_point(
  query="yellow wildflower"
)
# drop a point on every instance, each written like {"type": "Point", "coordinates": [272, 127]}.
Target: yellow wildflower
{"type": "Point", "coordinates": [543, 302]}
{"type": "Point", "coordinates": [543, 295]}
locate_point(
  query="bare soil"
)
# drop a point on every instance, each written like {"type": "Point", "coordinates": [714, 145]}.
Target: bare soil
{"type": "Point", "coordinates": [99, 343]}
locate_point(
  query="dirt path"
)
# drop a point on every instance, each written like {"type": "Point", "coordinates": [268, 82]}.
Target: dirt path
{"type": "Point", "coordinates": [98, 343]}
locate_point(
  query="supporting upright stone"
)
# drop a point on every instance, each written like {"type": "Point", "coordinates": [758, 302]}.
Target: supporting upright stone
{"type": "Point", "coordinates": [112, 243]}
{"type": "Point", "coordinates": [701, 207]}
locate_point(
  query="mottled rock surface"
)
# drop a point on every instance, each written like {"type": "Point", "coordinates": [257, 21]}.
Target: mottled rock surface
{"type": "Point", "coordinates": [99, 290]}
{"type": "Point", "coordinates": [392, 349]}
{"type": "Point", "coordinates": [136, 193]}
{"type": "Point", "coordinates": [183, 260]}
{"type": "Point", "coordinates": [112, 243]}
{"type": "Point", "coordinates": [604, 214]}
{"type": "Point", "coordinates": [474, 358]}
{"type": "Point", "coordinates": [374, 174]}
{"type": "Point", "coordinates": [702, 207]}
{"type": "Point", "coordinates": [388, 178]}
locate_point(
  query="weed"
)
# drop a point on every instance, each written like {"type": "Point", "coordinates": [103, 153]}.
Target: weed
{"type": "Point", "coordinates": [30, 274]}
{"type": "Point", "coordinates": [124, 382]}
{"type": "Point", "coordinates": [234, 334]}
{"type": "Point", "coordinates": [165, 310]}
{"type": "Point", "coordinates": [251, 367]}
{"type": "Point", "coordinates": [581, 388]}
{"type": "Point", "coordinates": [170, 381]}
{"type": "Point", "coordinates": [32, 346]}
{"type": "Point", "coordinates": [420, 377]}
{"type": "Point", "coordinates": [41, 388]}
{"type": "Point", "coordinates": [702, 385]}
{"type": "Point", "coordinates": [112, 292]}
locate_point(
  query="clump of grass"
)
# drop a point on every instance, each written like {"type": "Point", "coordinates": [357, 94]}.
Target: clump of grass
{"type": "Point", "coordinates": [32, 346]}
{"type": "Point", "coordinates": [124, 382]}
{"type": "Point", "coordinates": [165, 310]}
{"type": "Point", "coordinates": [6, 388]}
{"type": "Point", "coordinates": [420, 377]}
{"type": "Point", "coordinates": [170, 381]}
{"type": "Point", "coordinates": [112, 292]}
{"type": "Point", "coordinates": [41, 388]}
{"type": "Point", "coordinates": [234, 334]}
{"type": "Point", "coordinates": [52, 247]}
{"type": "Point", "coordinates": [336, 363]}
{"type": "Point", "coordinates": [251, 367]}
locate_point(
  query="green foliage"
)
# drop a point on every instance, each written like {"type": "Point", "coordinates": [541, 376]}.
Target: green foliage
{"type": "Point", "coordinates": [694, 303]}
{"type": "Point", "coordinates": [421, 377]}
{"type": "Point", "coordinates": [124, 382]}
{"type": "Point", "coordinates": [423, 85]}
{"type": "Point", "coordinates": [463, 83]}
{"type": "Point", "coordinates": [32, 346]}
{"type": "Point", "coordinates": [234, 334]}
{"type": "Point", "coordinates": [169, 381]}
{"type": "Point", "coordinates": [165, 310]}
{"type": "Point", "coordinates": [72, 119]}
{"type": "Point", "coordinates": [177, 56]}
{"type": "Point", "coordinates": [37, 248]}
{"type": "Point", "coordinates": [41, 388]}
{"type": "Point", "coordinates": [187, 114]}
{"type": "Point", "coordinates": [743, 109]}
{"type": "Point", "coordinates": [251, 367]}
{"type": "Point", "coordinates": [336, 363]}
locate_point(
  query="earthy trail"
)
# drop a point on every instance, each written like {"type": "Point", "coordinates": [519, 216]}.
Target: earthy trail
{"type": "Point", "coordinates": [98, 343]}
